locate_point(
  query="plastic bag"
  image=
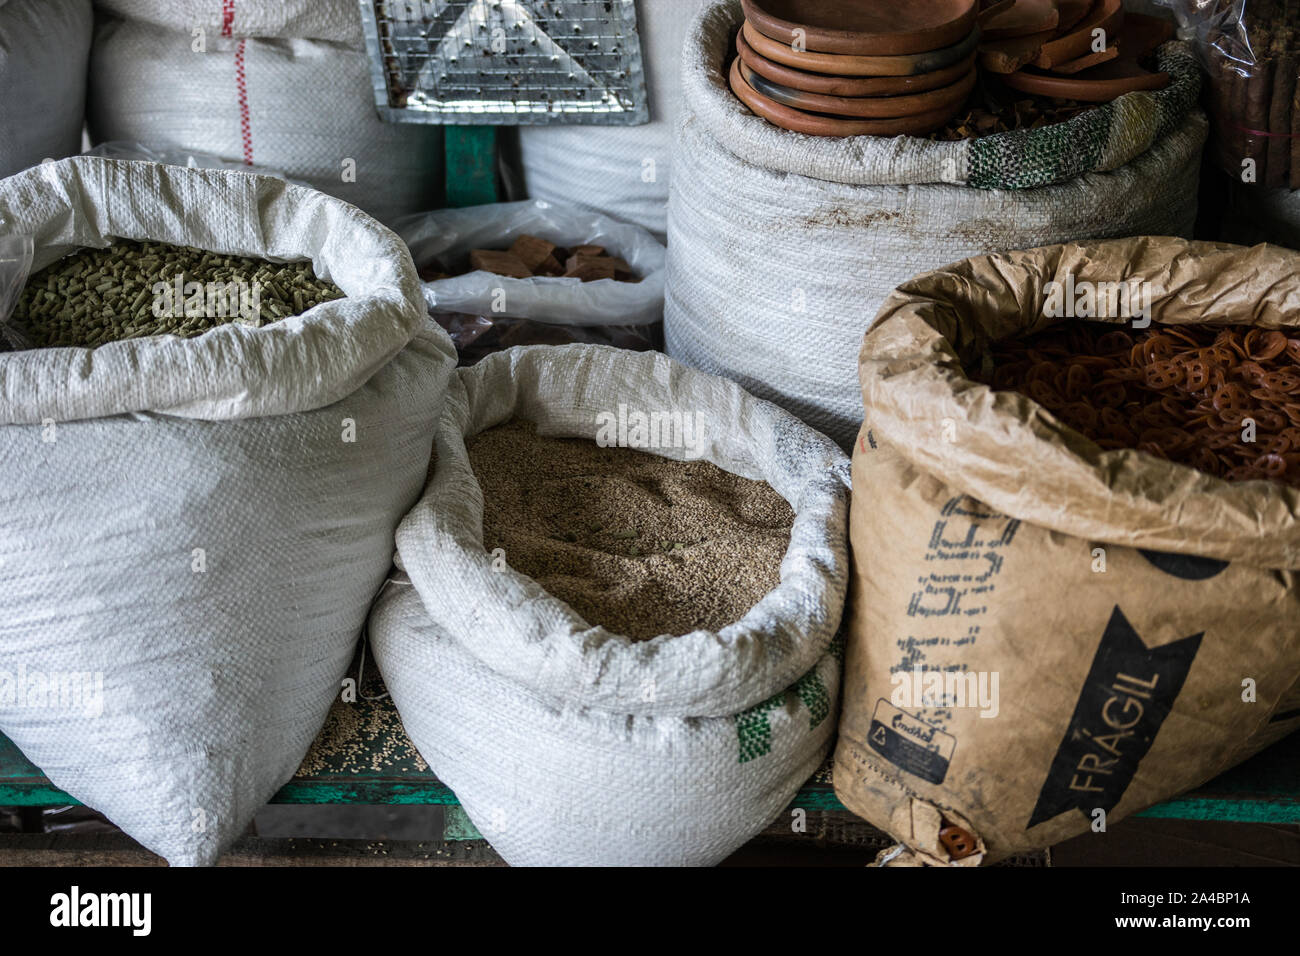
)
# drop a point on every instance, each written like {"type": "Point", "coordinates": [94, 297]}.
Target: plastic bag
{"type": "Point", "coordinates": [448, 235]}
{"type": "Point", "coordinates": [15, 266]}
{"type": "Point", "coordinates": [1251, 50]}
{"type": "Point", "coordinates": [478, 336]}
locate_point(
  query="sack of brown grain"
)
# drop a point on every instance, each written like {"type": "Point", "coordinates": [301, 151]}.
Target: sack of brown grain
{"type": "Point", "coordinates": [1044, 636]}
{"type": "Point", "coordinates": [569, 743]}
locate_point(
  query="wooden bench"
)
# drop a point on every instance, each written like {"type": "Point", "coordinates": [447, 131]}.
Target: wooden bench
{"type": "Point", "coordinates": [363, 756]}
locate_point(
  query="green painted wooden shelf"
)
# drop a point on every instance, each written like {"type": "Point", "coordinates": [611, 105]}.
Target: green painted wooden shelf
{"type": "Point", "coordinates": [363, 756]}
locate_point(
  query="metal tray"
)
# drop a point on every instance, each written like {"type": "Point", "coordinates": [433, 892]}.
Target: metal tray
{"type": "Point", "coordinates": [506, 62]}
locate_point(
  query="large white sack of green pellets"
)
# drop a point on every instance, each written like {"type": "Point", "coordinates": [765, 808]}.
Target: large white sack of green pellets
{"type": "Point", "coordinates": [194, 529]}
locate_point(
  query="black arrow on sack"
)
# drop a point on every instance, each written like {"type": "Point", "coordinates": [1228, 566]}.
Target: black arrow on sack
{"type": "Point", "coordinates": [1126, 697]}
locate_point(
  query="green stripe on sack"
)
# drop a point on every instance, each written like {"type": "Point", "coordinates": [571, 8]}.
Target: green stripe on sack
{"type": "Point", "coordinates": [814, 695]}
{"type": "Point", "coordinates": [754, 726]}
{"type": "Point", "coordinates": [1095, 141]}
{"type": "Point", "coordinates": [754, 730]}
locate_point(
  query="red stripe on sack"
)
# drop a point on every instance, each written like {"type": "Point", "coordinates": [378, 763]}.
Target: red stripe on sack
{"type": "Point", "coordinates": [241, 84]}
{"type": "Point", "coordinates": [227, 17]}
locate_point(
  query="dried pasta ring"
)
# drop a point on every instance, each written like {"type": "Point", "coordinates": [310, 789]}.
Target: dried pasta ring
{"type": "Point", "coordinates": [1077, 382]}
{"type": "Point", "coordinates": [1262, 345]}
{"type": "Point", "coordinates": [1127, 373]}
{"type": "Point", "coordinates": [1164, 375]}
{"type": "Point", "coordinates": [1181, 393]}
{"type": "Point", "coordinates": [1229, 396]}
{"type": "Point", "coordinates": [1196, 376]}
{"type": "Point", "coordinates": [1278, 445]}
{"type": "Point", "coordinates": [1267, 420]}
{"type": "Point", "coordinates": [1117, 341]}
{"type": "Point", "coordinates": [1282, 382]}
{"type": "Point", "coordinates": [1180, 334]}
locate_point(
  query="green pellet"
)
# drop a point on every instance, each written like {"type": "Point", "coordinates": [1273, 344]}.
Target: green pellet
{"type": "Point", "coordinates": [95, 296]}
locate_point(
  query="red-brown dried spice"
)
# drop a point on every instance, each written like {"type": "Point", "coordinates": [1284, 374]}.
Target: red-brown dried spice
{"type": "Point", "coordinates": [1183, 393]}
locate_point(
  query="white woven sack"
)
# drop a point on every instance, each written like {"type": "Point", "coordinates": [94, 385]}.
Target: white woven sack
{"type": "Point", "coordinates": [44, 45]}
{"type": "Point", "coordinates": [570, 744]}
{"type": "Point", "coordinates": [622, 171]}
{"type": "Point", "coordinates": [776, 271]}
{"type": "Point", "coordinates": [187, 522]}
{"type": "Point", "coordinates": [453, 233]}
{"type": "Point", "coordinates": [287, 89]}
{"type": "Point", "coordinates": [335, 20]}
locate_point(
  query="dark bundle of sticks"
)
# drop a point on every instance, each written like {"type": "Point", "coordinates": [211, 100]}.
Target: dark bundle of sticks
{"type": "Point", "coordinates": [1254, 96]}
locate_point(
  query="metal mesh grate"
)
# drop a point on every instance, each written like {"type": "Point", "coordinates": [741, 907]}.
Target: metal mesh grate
{"type": "Point", "coordinates": [506, 62]}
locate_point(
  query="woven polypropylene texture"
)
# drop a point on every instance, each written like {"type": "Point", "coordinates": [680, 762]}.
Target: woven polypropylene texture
{"type": "Point", "coordinates": [215, 576]}
{"type": "Point", "coordinates": [233, 371]}
{"type": "Point", "coordinates": [291, 102]}
{"type": "Point", "coordinates": [776, 272]}
{"type": "Point", "coordinates": [43, 52]}
{"type": "Point", "coordinates": [551, 784]}
{"type": "Point", "coordinates": [182, 594]}
{"type": "Point", "coordinates": [567, 743]}
{"type": "Point", "coordinates": [526, 634]}
{"type": "Point", "coordinates": [336, 20]}
{"type": "Point", "coordinates": [1096, 140]}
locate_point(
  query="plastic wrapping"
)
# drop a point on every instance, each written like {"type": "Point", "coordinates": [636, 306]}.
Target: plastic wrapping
{"type": "Point", "coordinates": [1251, 51]}
{"type": "Point", "coordinates": [478, 336]}
{"type": "Point", "coordinates": [15, 266]}
{"type": "Point", "coordinates": [485, 313]}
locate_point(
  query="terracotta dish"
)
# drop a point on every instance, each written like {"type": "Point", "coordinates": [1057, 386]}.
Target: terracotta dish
{"type": "Point", "coordinates": [793, 79]}
{"type": "Point", "coordinates": [1086, 62]}
{"type": "Point", "coordinates": [864, 27]}
{"type": "Point", "coordinates": [1007, 56]}
{"type": "Point", "coordinates": [1107, 15]}
{"type": "Point", "coordinates": [1071, 12]}
{"type": "Point", "coordinates": [1101, 84]}
{"type": "Point", "coordinates": [840, 65]}
{"type": "Point", "coordinates": [992, 9]}
{"type": "Point", "coordinates": [1020, 19]}
{"type": "Point", "coordinates": [817, 125]}
{"type": "Point", "coordinates": [867, 107]}
{"type": "Point", "coordinates": [1124, 73]}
